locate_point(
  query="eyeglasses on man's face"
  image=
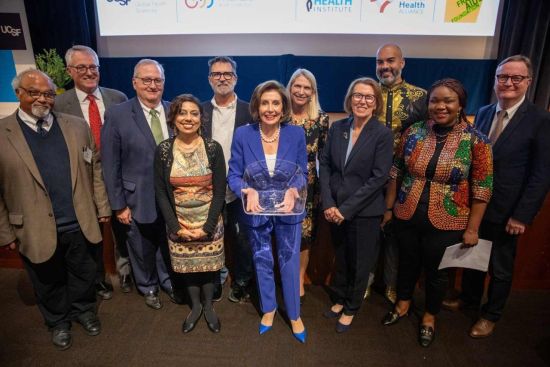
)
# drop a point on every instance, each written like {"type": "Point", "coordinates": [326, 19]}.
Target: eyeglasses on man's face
{"type": "Point", "coordinates": [50, 95]}
{"type": "Point", "coordinates": [516, 79]}
{"type": "Point", "coordinates": [83, 69]}
{"type": "Point", "coordinates": [358, 97]}
{"type": "Point", "coordinates": [148, 81]}
{"type": "Point", "coordinates": [218, 75]}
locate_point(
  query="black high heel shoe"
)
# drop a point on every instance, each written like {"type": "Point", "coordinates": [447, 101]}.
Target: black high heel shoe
{"type": "Point", "coordinates": [393, 317]}
{"type": "Point", "coordinates": [426, 335]}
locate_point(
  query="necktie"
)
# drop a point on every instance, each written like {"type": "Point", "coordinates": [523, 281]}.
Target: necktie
{"type": "Point", "coordinates": [40, 127]}
{"type": "Point", "coordinates": [95, 119]}
{"type": "Point", "coordinates": [155, 126]}
{"type": "Point", "coordinates": [499, 126]}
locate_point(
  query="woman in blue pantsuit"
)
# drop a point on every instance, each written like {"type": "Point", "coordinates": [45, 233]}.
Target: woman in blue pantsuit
{"type": "Point", "coordinates": [271, 139]}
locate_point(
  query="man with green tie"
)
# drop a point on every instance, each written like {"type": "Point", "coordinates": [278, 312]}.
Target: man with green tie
{"type": "Point", "coordinates": [129, 137]}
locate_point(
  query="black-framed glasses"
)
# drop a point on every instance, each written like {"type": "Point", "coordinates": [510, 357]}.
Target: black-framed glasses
{"type": "Point", "coordinates": [148, 81]}
{"type": "Point", "coordinates": [36, 94]}
{"type": "Point", "coordinates": [516, 79]}
{"type": "Point", "coordinates": [358, 97]}
{"type": "Point", "coordinates": [83, 69]}
{"type": "Point", "coordinates": [218, 75]}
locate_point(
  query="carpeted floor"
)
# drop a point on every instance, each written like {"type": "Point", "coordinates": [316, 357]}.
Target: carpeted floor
{"type": "Point", "coordinates": [134, 335]}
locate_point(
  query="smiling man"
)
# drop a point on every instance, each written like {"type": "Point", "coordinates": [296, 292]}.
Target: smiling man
{"type": "Point", "coordinates": [88, 100]}
{"type": "Point", "coordinates": [403, 105]}
{"type": "Point", "coordinates": [131, 133]}
{"type": "Point", "coordinates": [519, 132]}
{"type": "Point", "coordinates": [225, 112]}
{"type": "Point", "coordinates": [51, 200]}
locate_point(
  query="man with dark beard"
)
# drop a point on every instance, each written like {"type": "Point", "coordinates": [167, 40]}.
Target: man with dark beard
{"type": "Point", "coordinates": [51, 199]}
{"type": "Point", "coordinates": [404, 104]}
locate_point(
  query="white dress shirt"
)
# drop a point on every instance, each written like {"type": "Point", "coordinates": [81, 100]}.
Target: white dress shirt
{"type": "Point", "coordinates": [30, 121]}
{"type": "Point", "coordinates": [85, 103]}
{"type": "Point", "coordinates": [160, 110]}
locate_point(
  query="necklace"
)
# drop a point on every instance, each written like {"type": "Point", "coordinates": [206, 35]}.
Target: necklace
{"type": "Point", "coordinates": [274, 138]}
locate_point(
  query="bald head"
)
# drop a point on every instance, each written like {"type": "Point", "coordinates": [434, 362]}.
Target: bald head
{"type": "Point", "coordinates": [35, 92]}
{"type": "Point", "coordinates": [389, 64]}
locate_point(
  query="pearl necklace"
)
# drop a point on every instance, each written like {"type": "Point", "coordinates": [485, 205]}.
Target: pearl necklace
{"type": "Point", "coordinates": [270, 140]}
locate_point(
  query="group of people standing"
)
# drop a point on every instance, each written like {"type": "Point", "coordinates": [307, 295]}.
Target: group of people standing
{"type": "Point", "coordinates": [405, 173]}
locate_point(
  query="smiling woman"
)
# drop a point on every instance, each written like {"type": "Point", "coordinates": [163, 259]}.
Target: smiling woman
{"type": "Point", "coordinates": [190, 192]}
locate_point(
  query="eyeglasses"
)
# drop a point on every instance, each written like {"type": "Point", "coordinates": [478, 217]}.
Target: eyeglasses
{"type": "Point", "coordinates": [148, 81]}
{"type": "Point", "coordinates": [83, 69]}
{"type": "Point", "coordinates": [516, 79]}
{"type": "Point", "coordinates": [36, 94]}
{"type": "Point", "coordinates": [358, 97]}
{"type": "Point", "coordinates": [218, 75]}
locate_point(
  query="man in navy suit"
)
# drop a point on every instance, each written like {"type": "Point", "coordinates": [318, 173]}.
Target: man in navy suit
{"type": "Point", "coordinates": [88, 100]}
{"type": "Point", "coordinates": [129, 137]}
{"type": "Point", "coordinates": [225, 112]}
{"type": "Point", "coordinates": [520, 133]}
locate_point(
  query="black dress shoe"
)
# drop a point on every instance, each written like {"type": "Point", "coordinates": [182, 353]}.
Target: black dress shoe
{"type": "Point", "coordinates": [62, 339]}
{"type": "Point", "coordinates": [126, 283]}
{"type": "Point", "coordinates": [302, 299]}
{"type": "Point", "coordinates": [426, 335]}
{"type": "Point", "coordinates": [90, 323]}
{"type": "Point", "coordinates": [218, 293]}
{"type": "Point", "coordinates": [152, 300]}
{"type": "Point", "coordinates": [214, 325]}
{"type": "Point", "coordinates": [392, 318]}
{"type": "Point", "coordinates": [175, 296]}
{"type": "Point", "coordinates": [104, 290]}
{"type": "Point", "coordinates": [190, 322]}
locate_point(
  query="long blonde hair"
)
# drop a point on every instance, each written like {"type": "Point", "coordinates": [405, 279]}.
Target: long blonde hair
{"type": "Point", "coordinates": [313, 106]}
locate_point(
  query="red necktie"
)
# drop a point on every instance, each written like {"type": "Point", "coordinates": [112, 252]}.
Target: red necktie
{"type": "Point", "coordinates": [95, 119]}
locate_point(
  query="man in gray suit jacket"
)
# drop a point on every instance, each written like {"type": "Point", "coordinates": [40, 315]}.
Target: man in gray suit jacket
{"type": "Point", "coordinates": [88, 100]}
{"type": "Point", "coordinates": [51, 200]}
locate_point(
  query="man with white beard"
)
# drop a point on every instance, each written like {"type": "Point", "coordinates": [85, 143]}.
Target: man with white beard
{"type": "Point", "coordinates": [51, 199]}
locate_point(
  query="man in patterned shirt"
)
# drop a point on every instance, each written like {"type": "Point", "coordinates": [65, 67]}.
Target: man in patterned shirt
{"type": "Point", "coordinates": [404, 104]}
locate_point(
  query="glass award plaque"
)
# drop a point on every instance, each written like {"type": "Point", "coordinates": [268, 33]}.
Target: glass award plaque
{"type": "Point", "coordinates": [273, 180]}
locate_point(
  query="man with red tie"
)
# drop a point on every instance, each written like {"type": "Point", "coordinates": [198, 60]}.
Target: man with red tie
{"type": "Point", "coordinates": [89, 101]}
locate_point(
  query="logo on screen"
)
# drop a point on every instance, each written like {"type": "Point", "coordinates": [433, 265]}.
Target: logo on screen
{"type": "Point", "coordinates": [120, 2]}
{"type": "Point", "coordinates": [194, 4]}
{"type": "Point", "coordinates": [382, 4]}
{"type": "Point", "coordinates": [403, 6]}
{"type": "Point", "coordinates": [329, 6]}
{"type": "Point", "coordinates": [8, 29]}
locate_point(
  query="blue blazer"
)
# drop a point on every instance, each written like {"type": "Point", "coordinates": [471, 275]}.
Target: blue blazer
{"type": "Point", "coordinates": [521, 163]}
{"type": "Point", "coordinates": [127, 153]}
{"type": "Point", "coordinates": [247, 148]}
{"type": "Point", "coordinates": [356, 186]}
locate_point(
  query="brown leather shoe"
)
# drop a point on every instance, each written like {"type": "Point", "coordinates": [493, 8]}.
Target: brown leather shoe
{"type": "Point", "coordinates": [482, 329]}
{"type": "Point", "coordinates": [452, 304]}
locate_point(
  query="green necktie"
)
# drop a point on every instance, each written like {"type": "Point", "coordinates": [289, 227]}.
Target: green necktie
{"type": "Point", "coordinates": [155, 126]}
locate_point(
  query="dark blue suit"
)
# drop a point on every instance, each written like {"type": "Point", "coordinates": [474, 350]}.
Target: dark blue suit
{"type": "Point", "coordinates": [127, 152]}
{"type": "Point", "coordinates": [521, 164]}
{"type": "Point", "coordinates": [246, 149]}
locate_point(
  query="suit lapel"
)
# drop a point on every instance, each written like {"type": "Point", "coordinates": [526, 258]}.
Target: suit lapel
{"type": "Point", "coordinates": [107, 101]}
{"type": "Point", "coordinates": [255, 143]}
{"type": "Point", "coordinates": [19, 143]}
{"type": "Point", "coordinates": [72, 147]}
{"type": "Point", "coordinates": [166, 106]}
{"type": "Point", "coordinates": [141, 122]}
{"type": "Point", "coordinates": [485, 127]}
{"type": "Point", "coordinates": [73, 103]}
{"type": "Point", "coordinates": [513, 124]}
{"type": "Point", "coordinates": [282, 149]}
{"type": "Point", "coordinates": [343, 141]}
{"type": "Point", "coordinates": [361, 139]}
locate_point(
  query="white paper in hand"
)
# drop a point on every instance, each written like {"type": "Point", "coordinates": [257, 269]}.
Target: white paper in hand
{"type": "Point", "coordinates": [476, 257]}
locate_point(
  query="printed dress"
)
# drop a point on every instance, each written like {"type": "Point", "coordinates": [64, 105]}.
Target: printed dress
{"type": "Point", "coordinates": [191, 179]}
{"type": "Point", "coordinates": [316, 134]}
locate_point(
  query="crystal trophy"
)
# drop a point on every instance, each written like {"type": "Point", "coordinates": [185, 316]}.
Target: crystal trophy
{"type": "Point", "coordinates": [272, 179]}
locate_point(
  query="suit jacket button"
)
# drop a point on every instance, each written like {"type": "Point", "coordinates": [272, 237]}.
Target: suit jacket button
{"type": "Point", "coordinates": [50, 215]}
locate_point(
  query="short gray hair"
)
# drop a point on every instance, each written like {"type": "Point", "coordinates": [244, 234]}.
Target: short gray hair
{"type": "Point", "coordinates": [16, 81]}
{"type": "Point", "coordinates": [148, 62]}
{"type": "Point", "coordinates": [80, 48]}
{"type": "Point", "coordinates": [224, 60]}
{"type": "Point", "coordinates": [519, 58]}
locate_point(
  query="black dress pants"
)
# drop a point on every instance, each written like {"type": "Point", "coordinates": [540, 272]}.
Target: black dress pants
{"type": "Point", "coordinates": [64, 285]}
{"type": "Point", "coordinates": [501, 267]}
{"type": "Point", "coordinates": [421, 247]}
{"type": "Point", "coordinates": [356, 251]}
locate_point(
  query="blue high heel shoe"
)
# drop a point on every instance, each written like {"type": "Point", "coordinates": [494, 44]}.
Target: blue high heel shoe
{"type": "Point", "coordinates": [264, 328]}
{"type": "Point", "coordinates": [301, 337]}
